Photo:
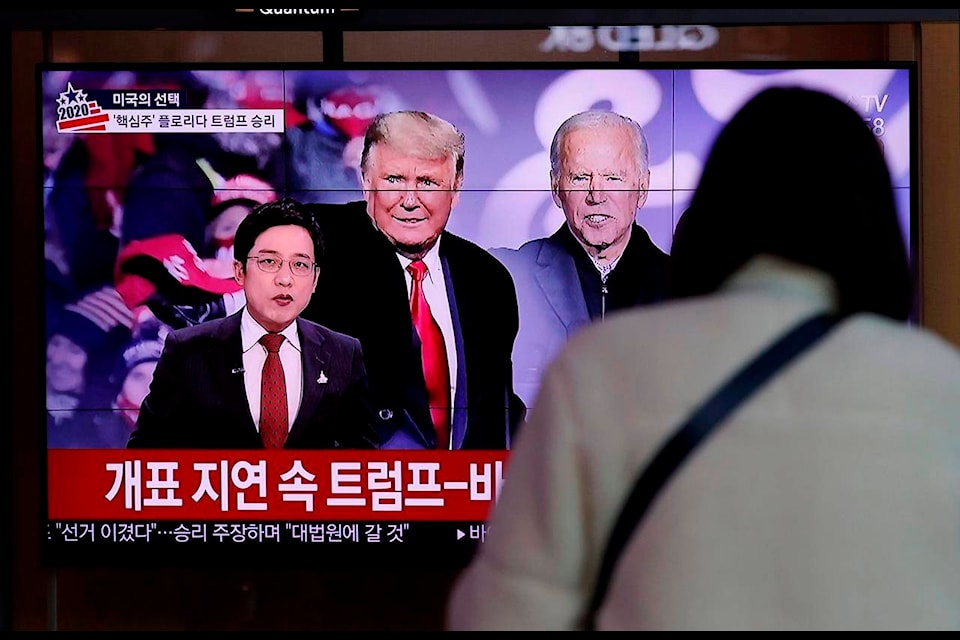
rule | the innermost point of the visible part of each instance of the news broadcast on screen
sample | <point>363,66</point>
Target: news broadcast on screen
<point>147,171</point>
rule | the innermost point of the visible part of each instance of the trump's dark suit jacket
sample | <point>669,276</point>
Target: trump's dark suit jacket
<point>362,292</point>
<point>197,398</point>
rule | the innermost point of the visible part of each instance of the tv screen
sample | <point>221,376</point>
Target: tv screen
<point>147,169</point>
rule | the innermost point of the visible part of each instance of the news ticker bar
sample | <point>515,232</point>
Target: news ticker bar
<point>273,545</point>
<point>272,485</point>
<point>240,534</point>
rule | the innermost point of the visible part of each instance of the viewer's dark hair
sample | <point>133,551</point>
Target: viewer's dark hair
<point>274,214</point>
<point>797,174</point>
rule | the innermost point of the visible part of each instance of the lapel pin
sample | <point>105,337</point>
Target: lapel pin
<point>322,379</point>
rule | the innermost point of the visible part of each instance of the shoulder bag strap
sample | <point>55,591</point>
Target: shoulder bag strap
<point>686,438</point>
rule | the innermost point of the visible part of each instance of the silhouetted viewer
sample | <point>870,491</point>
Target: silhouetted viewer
<point>829,499</point>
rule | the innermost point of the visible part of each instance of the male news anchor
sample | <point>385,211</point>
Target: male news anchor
<point>261,377</point>
<point>435,313</point>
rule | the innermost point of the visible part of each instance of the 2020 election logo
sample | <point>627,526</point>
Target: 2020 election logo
<point>75,113</point>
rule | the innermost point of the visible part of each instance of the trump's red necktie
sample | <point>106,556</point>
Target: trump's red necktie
<point>433,354</point>
<point>273,394</point>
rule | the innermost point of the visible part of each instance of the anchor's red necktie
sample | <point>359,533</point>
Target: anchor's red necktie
<point>433,354</point>
<point>273,395</point>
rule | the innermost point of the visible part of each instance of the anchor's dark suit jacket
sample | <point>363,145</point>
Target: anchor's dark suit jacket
<point>197,398</point>
<point>362,292</point>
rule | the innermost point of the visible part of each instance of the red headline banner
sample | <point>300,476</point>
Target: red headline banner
<point>272,485</point>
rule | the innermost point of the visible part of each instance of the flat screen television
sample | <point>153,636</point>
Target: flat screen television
<point>122,168</point>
